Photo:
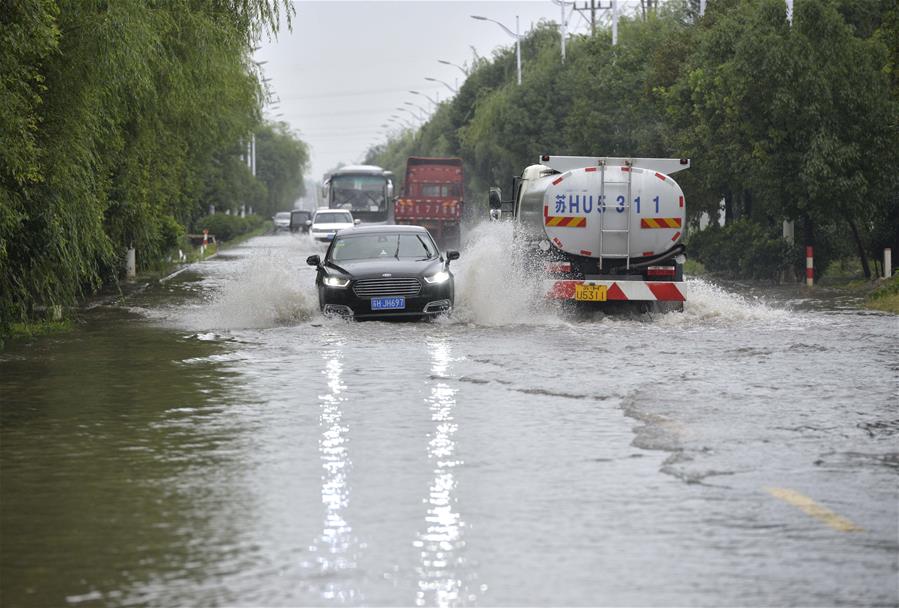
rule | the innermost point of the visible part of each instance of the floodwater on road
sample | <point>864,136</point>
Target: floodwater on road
<point>215,441</point>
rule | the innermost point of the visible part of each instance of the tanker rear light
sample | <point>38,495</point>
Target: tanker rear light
<point>660,271</point>
<point>685,161</point>
<point>557,267</point>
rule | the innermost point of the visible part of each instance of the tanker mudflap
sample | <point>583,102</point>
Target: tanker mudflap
<point>615,291</point>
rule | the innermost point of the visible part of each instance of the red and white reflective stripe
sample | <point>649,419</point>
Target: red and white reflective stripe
<point>809,266</point>
<point>620,291</point>
<point>555,267</point>
<point>660,271</point>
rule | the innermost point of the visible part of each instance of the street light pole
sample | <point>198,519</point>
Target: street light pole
<point>514,35</point>
<point>424,112</point>
<point>401,121</point>
<point>563,23</point>
<point>518,49</point>
<point>447,85</point>
<point>445,62</point>
<point>436,103</point>
<point>411,113</point>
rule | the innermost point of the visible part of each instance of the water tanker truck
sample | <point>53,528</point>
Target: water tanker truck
<point>604,229</point>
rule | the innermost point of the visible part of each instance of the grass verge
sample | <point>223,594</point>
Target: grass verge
<point>37,327</point>
<point>34,329</point>
<point>886,297</point>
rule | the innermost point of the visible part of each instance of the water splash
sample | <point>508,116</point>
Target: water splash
<point>267,290</point>
<point>711,303</point>
<point>494,286</point>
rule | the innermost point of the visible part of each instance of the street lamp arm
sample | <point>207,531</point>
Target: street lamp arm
<point>426,97</point>
<point>507,30</point>
<point>452,90</point>
<point>514,35</point>
<point>445,62</point>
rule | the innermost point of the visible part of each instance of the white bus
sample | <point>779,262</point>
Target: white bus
<point>364,190</point>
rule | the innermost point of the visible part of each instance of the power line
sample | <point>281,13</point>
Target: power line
<point>356,93</point>
<point>301,115</point>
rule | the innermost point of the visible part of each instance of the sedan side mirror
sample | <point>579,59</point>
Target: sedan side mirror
<point>314,260</point>
<point>357,221</point>
<point>452,255</point>
<point>308,222</point>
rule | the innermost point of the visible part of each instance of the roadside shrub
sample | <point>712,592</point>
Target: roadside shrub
<point>170,233</point>
<point>226,227</point>
<point>745,250</point>
<point>886,297</point>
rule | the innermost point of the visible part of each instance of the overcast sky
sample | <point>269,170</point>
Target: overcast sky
<point>347,66</point>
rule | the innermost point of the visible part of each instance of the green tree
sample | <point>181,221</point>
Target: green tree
<point>281,161</point>
<point>108,136</point>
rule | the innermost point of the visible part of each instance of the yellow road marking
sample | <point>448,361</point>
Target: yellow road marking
<point>810,507</point>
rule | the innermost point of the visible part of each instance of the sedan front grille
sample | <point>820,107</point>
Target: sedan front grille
<point>376,288</point>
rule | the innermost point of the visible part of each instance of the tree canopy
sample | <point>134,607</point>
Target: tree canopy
<point>782,121</point>
<point>120,121</point>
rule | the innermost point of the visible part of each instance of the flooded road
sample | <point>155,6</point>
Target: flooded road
<point>215,441</point>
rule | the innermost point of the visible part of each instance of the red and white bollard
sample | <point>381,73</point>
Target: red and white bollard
<point>809,266</point>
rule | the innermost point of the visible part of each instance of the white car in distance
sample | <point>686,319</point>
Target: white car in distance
<point>326,222</point>
<point>281,220</point>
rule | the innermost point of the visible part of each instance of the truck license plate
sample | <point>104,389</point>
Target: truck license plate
<point>395,303</point>
<point>590,293</point>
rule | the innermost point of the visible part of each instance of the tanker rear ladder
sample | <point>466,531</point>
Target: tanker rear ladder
<point>602,216</point>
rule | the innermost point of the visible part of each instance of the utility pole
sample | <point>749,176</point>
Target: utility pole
<point>592,8</point>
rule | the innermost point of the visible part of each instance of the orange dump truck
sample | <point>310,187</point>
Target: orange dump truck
<point>432,197</point>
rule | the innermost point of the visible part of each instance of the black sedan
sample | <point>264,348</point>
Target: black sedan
<point>384,272</point>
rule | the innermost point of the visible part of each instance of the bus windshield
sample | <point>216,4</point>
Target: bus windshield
<point>358,193</point>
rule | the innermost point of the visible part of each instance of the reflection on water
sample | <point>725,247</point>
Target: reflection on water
<point>336,546</point>
<point>141,466</point>
<point>441,545</point>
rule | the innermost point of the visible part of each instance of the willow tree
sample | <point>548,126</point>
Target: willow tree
<point>110,118</point>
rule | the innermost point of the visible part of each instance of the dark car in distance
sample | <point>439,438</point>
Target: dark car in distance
<point>300,221</point>
<point>384,272</point>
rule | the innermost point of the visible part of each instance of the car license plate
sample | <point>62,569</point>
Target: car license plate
<point>590,293</point>
<point>395,303</point>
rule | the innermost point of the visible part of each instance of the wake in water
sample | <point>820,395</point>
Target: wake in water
<point>267,289</point>
<point>710,303</point>
<point>494,286</point>
<point>269,285</point>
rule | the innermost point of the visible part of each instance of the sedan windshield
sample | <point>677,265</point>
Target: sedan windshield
<point>333,218</point>
<point>381,246</point>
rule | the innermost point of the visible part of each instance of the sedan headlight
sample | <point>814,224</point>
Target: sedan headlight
<point>336,282</point>
<point>435,279</point>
